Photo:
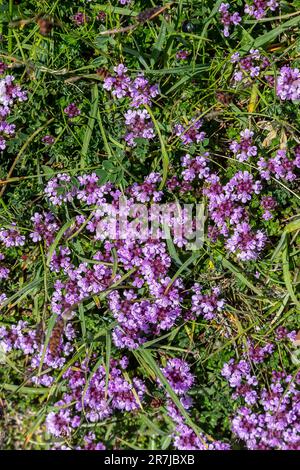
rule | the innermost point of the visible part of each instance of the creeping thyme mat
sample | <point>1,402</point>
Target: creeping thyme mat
<point>149,225</point>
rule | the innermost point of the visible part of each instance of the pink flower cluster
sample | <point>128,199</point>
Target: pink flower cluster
<point>10,93</point>
<point>140,93</point>
<point>281,166</point>
<point>250,66</point>
<point>191,133</point>
<point>227,18</point>
<point>270,415</point>
<point>288,84</point>
<point>258,9</point>
<point>178,374</point>
<point>244,149</point>
<point>94,396</point>
<point>227,207</point>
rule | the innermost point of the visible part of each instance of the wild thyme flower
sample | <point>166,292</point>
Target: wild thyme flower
<point>269,415</point>
<point>11,236</point>
<point>268,203</point>
<point>182,55</point>
<point>288,84</point>
<point>177,372</point>
<point>250,66</point>
<point>9,95</point>
<point>280,166</point>
<point>227,18</point>
<point>80,18</point>
<point>259,8</point>
<point>139,125</point>
<point>209,305</point>
<point>246,243</point>
<point>191,133</point>
<point>4,271</point>
<point>72,110</point>
<point>244,149</point>
<point>48,139</point>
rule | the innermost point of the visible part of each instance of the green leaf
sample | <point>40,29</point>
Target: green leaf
<point>90,125</point>
<point>58,237</point>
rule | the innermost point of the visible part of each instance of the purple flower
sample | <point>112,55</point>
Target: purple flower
<point>249,66</point>
<point>60,189</point>
<point>4,271</point>
<point>48,139</point>
<point>268,203</point>
<point>72,110</point>
<point>191,133</point>
<point>228,19</point>
<point>245,243</point>
<point>182,55</point>
<point>45,228</point>
<point>141,92</point>
<point>3,67</point>
<point>241,187</point>
<point>259,8</point>
<point>269,416</point>
<point>80,18</point>
<point>139,125</point>
<point>280,166</point>
<point>208,305</point>
<point>118,84</point>
<point>245,148</point>
<point>288,83</point>
<point>177,372</point>
<point>11,236</point>
<point>195,168</point>
<point>186,439</point>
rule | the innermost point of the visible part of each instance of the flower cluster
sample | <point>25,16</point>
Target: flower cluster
<point>72,111</point>
<point>227,208</point>
<point>146,259</point>
<point>227,18</point>
<point>268,203</point>
<point>22,337</point>
<point>207,305</point>
<point>288,83</point>
<point>182,55</point>
<point>11,236</point>
<point>4,271</point>
<point>139,125</point>
<point>3,67</point>
<point>140,93</point>
<point>48,139</point>
<point>10,93</point>
<point>60,189</point>
<point>45,227</point>
<point>97,399</point>
<point>196,168</point>
<point>269,416</point>
<point>249,66</point>
<point>191,133</point>
<point>244,149</point>
<point>141,319</point>
<point>178,374</point>
<point>80,18</point>
<point>259,8</point>
<point>138,90</point>
<point>281,166</point>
